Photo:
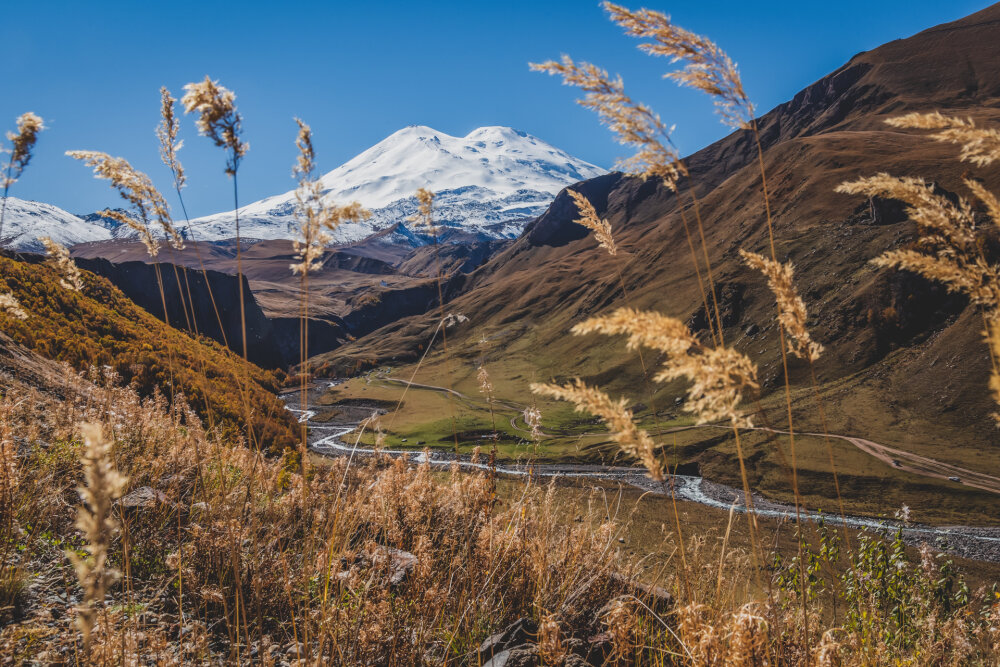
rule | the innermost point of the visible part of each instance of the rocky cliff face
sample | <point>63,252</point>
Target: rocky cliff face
<point>192,306</point>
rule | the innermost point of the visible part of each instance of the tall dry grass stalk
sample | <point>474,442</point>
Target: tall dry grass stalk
<point>219,120</point>
<point>22,142</point>
<point>635,124</point>
<point>707,68</point>
<point>632,440</point>
<point>589,219</point>
<point>533,419</point>
<point>70,277</point>
<point>317,217</point>
<point>791,308</point>
<point>486,389</point>
<point>168,132</point>
<point>719,376</point>
<point>423,220</point>
<point>138,190</point>
<point>102,485</point>
<point>168,135</point>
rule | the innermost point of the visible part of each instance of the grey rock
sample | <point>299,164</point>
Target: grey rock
<point>657,598</point>
<point>520,632</point>
<point>525,655</point>
<point>145,498</point>
<point>399,563</point>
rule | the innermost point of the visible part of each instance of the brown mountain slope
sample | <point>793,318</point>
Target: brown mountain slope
<point>904,363</point>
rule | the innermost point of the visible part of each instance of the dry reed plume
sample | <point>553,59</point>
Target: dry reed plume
<point>22,141</point>
<point>102,485</point>
<point>12,307</point>
<point>485,384</point>
<point>633,123</point>
<point>138,190</point>
<point>315,215</point>
<point>533,418</point>
<point>593,222</point>
<point>423,219</point>
<point>707,67</point>
<point>218,118</point>
<point>167,132</point>
<point>719,376</point>
<point>70,276</point>
<point>980,146</point>
<point>28,126</point>
<point>632,440</point>
<point>791,307</point>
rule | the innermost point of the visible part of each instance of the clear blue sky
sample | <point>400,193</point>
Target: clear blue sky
<point>359,71</point>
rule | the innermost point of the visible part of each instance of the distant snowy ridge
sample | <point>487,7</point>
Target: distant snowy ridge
<point>24,222</point>
<point>489,183</point>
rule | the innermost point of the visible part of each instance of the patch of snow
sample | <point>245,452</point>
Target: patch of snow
<point>24,222</point>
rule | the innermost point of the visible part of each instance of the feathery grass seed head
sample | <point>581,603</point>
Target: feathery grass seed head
<point>424,217</point>
<point>316,216</point>
<point>948,252</point>
<point>719,376</point>
<point>590,220</point>
<point>634,123</point>
<point>485,384</point>
<point>138,190</point>
<point>63,263</point>
<point>28,126</point>
<point>533,418</point>
<point>791,307</point>
<point>707,67</point>
<point>102,485</point>
<point>632,440</point>
<point>980,146</point>
<point>167,132</point>
<point>217,118</point>
<point>11,306</point>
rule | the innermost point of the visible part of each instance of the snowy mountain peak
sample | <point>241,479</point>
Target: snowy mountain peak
<point>489,183</point>
<point>497,133</point>
<point>25,222</point>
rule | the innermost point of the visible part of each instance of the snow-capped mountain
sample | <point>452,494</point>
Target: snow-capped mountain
<point>488,183</point>
<point>24,222</point>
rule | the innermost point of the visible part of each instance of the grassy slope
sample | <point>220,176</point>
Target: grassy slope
<point>102,327</point>
<point>904,365</point>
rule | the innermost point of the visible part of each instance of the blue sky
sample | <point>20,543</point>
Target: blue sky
<point>359,71</point>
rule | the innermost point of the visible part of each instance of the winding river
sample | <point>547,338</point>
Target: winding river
<point>328,439</point>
